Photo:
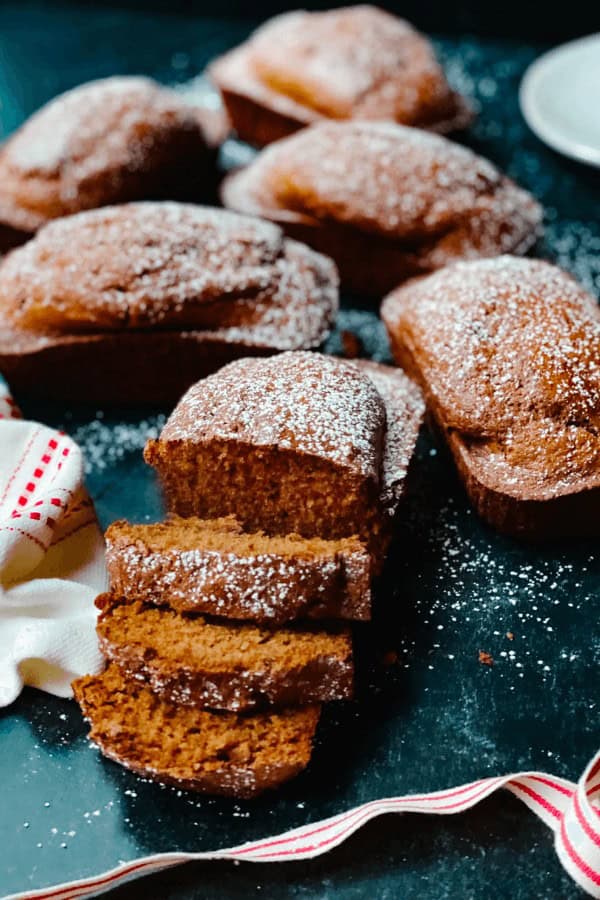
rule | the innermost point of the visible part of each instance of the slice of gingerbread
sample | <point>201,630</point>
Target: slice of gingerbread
<point>215,663</point>
<point>211,752</point>
<point>215,568</point>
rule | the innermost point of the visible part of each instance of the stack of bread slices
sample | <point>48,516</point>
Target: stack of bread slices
<point>227,626</point>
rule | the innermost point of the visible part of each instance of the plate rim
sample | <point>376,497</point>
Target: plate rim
<point>582,153</point>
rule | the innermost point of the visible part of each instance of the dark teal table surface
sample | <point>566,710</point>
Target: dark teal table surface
<point>428,714</point>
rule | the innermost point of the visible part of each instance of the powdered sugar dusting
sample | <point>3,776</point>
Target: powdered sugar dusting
<point>345,63</point>
<point>303,402</point>
<point>105,444</point>
<point>264,585</point>
<point>104,142</point>
<point>438,199</point>
<point>405,409</point>
<point>511,351</point>
<point>152,264</point>
<point>64,130</point>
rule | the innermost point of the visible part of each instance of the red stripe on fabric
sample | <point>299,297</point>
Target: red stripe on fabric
<point>593,835</point>
<point>553,784</point>
<point>394,803</point>
<point>18,466</point>
<point>285,840</point>
<point>545,804</point>
<point>56,894</point>
<point>575,858</point>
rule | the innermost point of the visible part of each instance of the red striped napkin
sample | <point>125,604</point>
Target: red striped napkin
<point>51,559</point>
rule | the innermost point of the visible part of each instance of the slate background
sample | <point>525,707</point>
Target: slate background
<point>433,718</point>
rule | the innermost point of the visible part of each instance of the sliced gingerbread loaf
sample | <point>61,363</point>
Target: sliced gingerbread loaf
<point>218,664</point>
<point>296,444</point>
<point>508,353</point>
<point>213,567</point>
<point>212,752</point>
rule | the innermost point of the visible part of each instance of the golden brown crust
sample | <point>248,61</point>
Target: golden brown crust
<point>384,201</point>
<point>148,265</point>
<point>508,354</point>
<point>108,141</point>
<point>358,62</point>
<point>132,283</point>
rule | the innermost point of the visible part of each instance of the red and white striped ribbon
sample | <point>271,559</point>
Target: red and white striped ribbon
<point>570,810</point>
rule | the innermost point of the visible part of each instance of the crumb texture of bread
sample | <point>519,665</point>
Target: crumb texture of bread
<point>306,431</point>
<point>508,354</point>
<point>108,141</point>
<point>214,567</point>
<point>221,664</point>
<point>357,62</point>
<point>413,201</point>
<point>211,752</point>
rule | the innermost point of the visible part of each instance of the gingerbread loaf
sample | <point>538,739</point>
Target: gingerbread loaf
<point>215,568</point>
<point>305,433</point>
<point>507,352</point>
<point>358,62</point>
<point>385,202</point>
<point>167,291</point>
<point>216,664</point>
<point>106,142</point>
<point>212,752</point>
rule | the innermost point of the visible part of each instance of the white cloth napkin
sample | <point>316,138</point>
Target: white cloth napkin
<point>51,560</point>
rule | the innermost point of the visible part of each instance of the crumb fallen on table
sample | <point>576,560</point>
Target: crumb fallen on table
<point>352,345</point>
<point>510,635</point>
<point>485,658</point>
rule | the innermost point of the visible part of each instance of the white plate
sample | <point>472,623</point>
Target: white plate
<point>560,99</point>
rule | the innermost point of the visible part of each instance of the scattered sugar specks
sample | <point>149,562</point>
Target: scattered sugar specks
<point>106,443</point>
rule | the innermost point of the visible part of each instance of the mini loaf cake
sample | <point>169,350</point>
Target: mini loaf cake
<point>295,444</point>
<point>384,201</point>
<point>353,63</point>
<point>214,752</point>
<point>131,304</point>
<point>213,567</point>
<point>508,354</point>
<point>213,663</point>
<point>106,142</point>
